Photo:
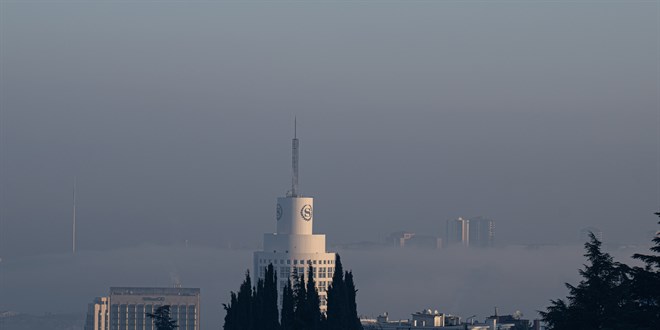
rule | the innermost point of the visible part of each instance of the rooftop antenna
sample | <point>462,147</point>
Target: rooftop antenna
<point>73,236</point>
<point>294,160</point>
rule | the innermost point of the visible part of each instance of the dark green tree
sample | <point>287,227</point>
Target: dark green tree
<point>342,307</point>
<point>300,301</point>
<point>312,302</point>
<point>645,289</point>
<point>162,319</point>
<point>231,313</point>
<point>595,303</point>
<point>288,316</point>
<point>353,320</point>
<point>240,309</point>
<point>264,301</point>
<point>337,312</point>
<point>269,300</point>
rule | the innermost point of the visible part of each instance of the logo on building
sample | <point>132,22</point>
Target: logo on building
<point>306,212</point>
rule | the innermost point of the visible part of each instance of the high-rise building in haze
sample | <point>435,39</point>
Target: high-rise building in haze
<point>294,246</point>
<point>482,232</point>
<point>458,232</point>
<point>126,308</point>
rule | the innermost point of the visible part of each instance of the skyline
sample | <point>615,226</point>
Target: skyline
<point>172,120</point>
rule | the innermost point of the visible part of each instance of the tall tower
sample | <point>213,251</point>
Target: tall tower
<point>294,247</point>
<point>73,231</point>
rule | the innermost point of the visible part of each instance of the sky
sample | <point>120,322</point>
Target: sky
<point>175,119</point>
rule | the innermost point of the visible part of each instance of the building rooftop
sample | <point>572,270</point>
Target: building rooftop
<point>154,291</point>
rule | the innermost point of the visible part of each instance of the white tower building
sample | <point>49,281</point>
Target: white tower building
<point>294,246</point>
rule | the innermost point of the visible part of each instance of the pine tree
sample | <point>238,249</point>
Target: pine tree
<point>162,319</point>
<point>287,307</point>
<point>595,302</point>
<point>645,289</point>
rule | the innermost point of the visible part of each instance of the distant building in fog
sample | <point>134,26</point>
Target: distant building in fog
<point>458,232</point>
<point>475,232</point>
<point>584,234</point>
<point>482,232</point>
<point>402,239</point>
<point>127,308</point>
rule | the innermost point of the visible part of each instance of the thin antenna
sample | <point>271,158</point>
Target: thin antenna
<point>73,236</point>
<point>294,160</point>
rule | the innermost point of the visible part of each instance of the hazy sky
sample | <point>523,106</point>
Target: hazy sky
<point>176,118</point>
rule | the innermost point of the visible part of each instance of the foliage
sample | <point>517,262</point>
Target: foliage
<point>342,308</point>
<point>611,295</point>
<point>162,319</point>
<point>288,308</point>
<point>256,308</point>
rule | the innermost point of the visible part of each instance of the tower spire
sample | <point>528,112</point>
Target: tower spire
<point>294,159</point>
<point>73,236</point>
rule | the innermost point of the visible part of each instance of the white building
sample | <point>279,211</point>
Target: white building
<point>294,246</point>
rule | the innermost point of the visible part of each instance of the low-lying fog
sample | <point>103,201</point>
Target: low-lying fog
<point>398,281</point>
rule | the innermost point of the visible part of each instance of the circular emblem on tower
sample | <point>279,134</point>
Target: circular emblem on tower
<point>306,212</point>
<point>279,211</point>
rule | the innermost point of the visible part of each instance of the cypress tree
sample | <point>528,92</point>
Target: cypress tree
<point>312,302</point>
<point>353,319</point>
<point>244,305</point>
<point>288,307</point>
<point>269,300</point>
<point>240,309</point>
<point>337,313</point>
<point>300,298</point>
<point>231,318</point>
<point>258,303</point>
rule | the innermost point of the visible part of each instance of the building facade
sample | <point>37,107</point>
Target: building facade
<point>482,232</point>
<point>97,314</point>
<point>294,246</point>
<point>126,308</point>
<point>458,232</point>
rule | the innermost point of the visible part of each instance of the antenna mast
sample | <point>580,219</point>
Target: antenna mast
<point>73,236</point>
<point>294,160</point>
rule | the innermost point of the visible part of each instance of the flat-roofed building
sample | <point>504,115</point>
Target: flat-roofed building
<point>126,308</point>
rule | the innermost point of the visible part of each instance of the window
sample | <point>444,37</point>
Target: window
<point>288,262</point>
<point>314,262</point>
<point>295,262</point>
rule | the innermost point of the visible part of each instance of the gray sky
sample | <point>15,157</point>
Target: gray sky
<point>176,119</point>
